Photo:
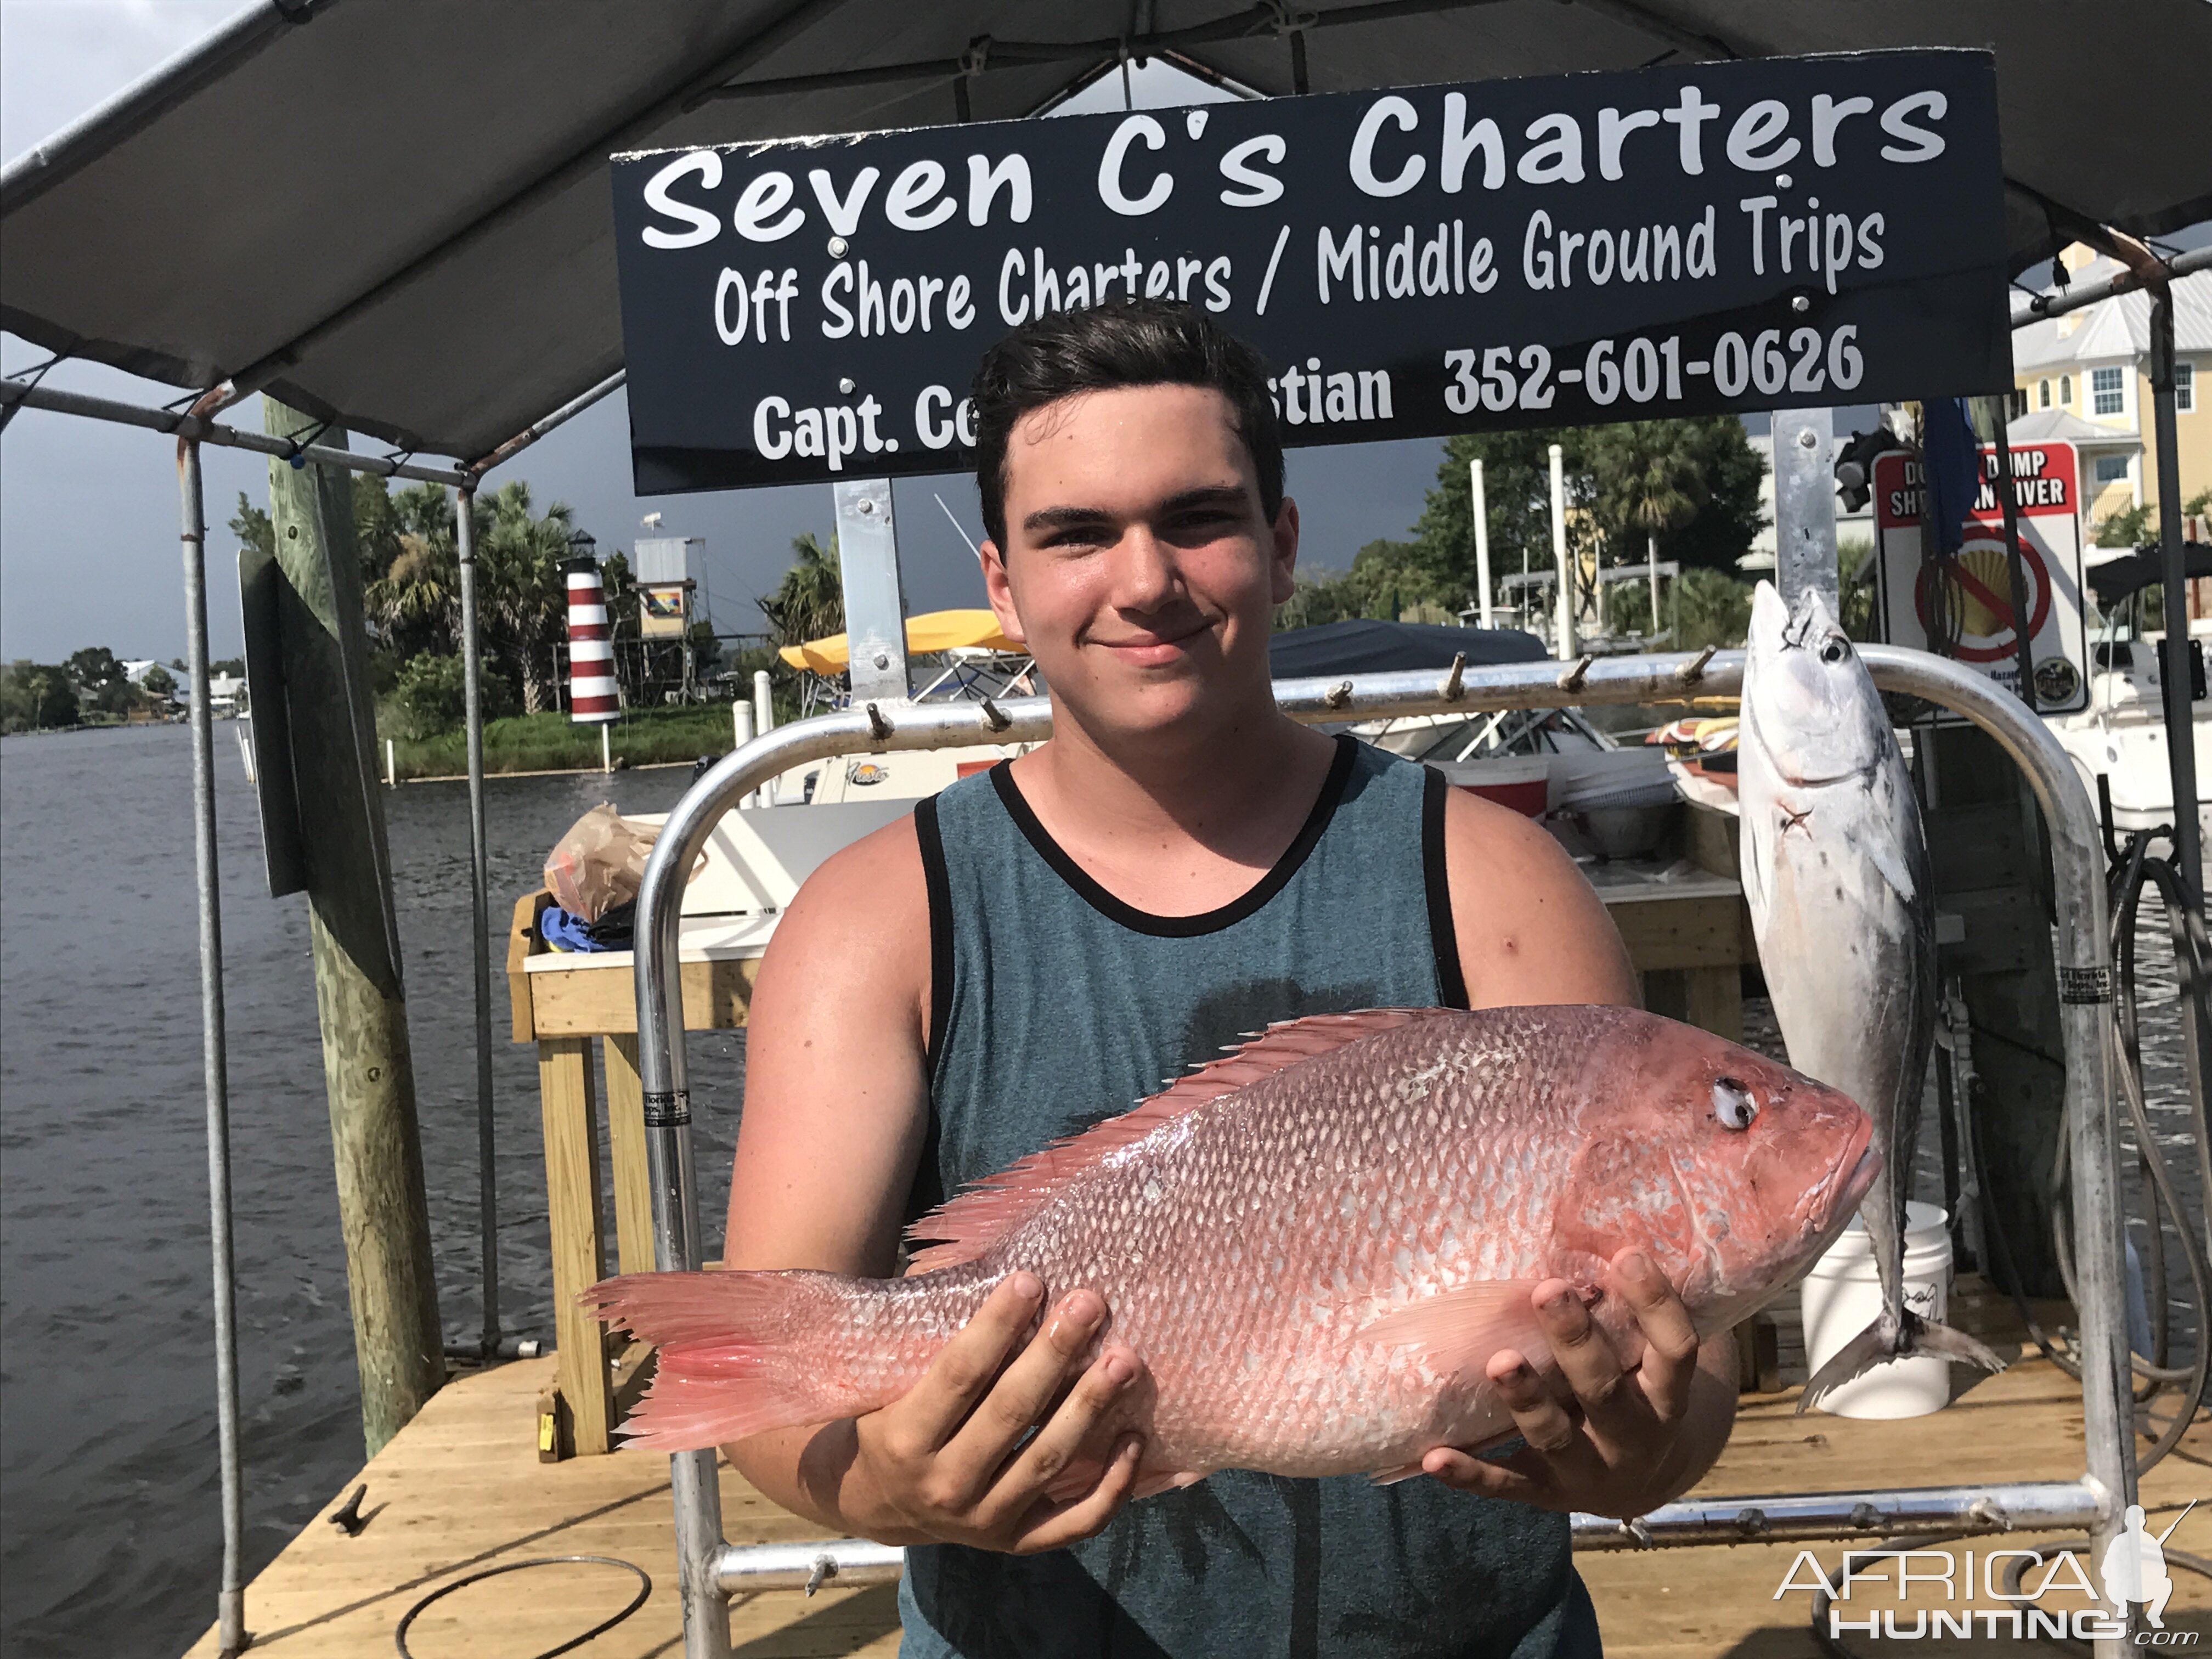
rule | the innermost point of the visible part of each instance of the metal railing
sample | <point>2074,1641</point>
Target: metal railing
<point>710,1569</point>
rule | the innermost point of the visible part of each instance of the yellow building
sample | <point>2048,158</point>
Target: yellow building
<point>2083,379</point>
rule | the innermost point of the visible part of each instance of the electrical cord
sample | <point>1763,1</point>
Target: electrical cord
<point>644,1591</point>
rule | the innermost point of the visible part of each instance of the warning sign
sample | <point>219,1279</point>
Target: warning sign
<point>1970,596</point>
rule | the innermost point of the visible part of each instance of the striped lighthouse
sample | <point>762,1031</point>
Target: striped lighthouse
<point>593,700</point>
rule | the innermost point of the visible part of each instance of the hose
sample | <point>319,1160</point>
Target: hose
<point>644,1590</point>
<point>2133,867</point>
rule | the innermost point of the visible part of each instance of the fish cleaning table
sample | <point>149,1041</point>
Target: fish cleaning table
<point>1682,920</point>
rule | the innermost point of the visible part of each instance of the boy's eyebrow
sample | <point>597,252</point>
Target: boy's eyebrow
<point>1060,518</point>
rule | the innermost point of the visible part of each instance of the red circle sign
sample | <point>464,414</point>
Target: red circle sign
<point>1982,583</point>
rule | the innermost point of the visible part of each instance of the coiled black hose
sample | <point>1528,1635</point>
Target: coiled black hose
<point>2133,868</point>
<point>644,1590</point>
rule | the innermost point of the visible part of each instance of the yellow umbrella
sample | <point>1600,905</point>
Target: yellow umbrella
<point>934,631</point>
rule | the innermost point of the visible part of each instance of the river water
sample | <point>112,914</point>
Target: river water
<point>109,1538</point>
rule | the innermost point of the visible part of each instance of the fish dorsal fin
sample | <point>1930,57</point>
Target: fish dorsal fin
<point>974,1221</point>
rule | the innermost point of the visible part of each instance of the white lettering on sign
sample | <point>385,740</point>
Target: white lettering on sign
<point>985,181</point>
<point>1110,191</point>
<point>1253,187</point>
<point>703,226</point>
<point>755,217</point>
<point>1399,112</point>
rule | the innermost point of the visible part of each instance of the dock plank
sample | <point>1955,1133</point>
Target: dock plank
<point>461,1488</point>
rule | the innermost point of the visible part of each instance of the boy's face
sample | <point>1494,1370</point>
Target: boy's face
<point>1139,569</point>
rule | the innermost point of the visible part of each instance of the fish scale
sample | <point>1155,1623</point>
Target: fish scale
<point>1317,1242</point>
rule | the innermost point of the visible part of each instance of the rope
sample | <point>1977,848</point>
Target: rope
<point>644,1590</point>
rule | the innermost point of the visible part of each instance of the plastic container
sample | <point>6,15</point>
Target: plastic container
<point>1842,1296</point>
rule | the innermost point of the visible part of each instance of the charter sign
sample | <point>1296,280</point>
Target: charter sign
<point>1549,252</point>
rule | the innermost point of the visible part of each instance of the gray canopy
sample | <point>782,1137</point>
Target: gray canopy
<point>397,214</point>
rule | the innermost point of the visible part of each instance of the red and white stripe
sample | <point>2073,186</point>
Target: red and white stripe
<point>592,697</point>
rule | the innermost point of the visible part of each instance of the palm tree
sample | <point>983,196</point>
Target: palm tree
<point>415,600</point>
<point>524,595</point>
<point>809,603</point>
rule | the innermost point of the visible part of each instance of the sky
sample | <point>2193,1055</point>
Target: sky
<point>88,517</point>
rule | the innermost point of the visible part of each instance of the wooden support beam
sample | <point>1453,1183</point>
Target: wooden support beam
<point>572,1202</point>
<point>626,1144</point>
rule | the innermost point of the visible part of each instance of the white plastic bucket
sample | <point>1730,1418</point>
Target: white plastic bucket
<point>1842,1296</point>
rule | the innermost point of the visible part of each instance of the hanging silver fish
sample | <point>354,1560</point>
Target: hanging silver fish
<point>1835,870</point>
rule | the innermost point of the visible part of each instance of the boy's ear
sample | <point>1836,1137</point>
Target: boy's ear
<point>1000,593</point>
<point>1285,560</point>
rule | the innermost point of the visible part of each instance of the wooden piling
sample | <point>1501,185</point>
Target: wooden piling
<point>368,1067</point>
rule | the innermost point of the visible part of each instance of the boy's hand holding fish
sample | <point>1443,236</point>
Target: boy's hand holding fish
<point>975,1454</point>
<point>1619,1444</point>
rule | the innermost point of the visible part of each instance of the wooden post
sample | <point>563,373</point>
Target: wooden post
<point>626,1148</point>
<point>368,1067</point>
<point>572,1203</point>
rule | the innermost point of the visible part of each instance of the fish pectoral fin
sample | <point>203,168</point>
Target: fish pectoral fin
<point>1392,1477</point>
<point>1459,1330</point>
<point>1150,1486</point>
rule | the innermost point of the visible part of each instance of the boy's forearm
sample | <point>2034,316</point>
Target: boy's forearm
<point>815,1472</point>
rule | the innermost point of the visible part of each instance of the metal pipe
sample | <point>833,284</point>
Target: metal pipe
<point>538,429</point>
<point>1791,1517</point>
<point>230,1598</point>
<point>196,425</point>
<point>2085,974</point>
<point>1803,442</point>
<point>1920,1511</point>
<point>2087,293</point>
<point>2016,561</point>
<point>2180,747</point>
<point>464,543</point>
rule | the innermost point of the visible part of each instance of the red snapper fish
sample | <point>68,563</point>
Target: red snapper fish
<point>1317,1242</point>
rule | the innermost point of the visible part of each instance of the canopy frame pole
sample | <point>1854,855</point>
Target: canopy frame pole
<point>2084,974</point>
<point>230,1598</point>
<point>2180,751</point>
<point>464,543</point>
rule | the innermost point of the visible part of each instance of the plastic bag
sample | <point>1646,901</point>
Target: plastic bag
<point>600,863</point>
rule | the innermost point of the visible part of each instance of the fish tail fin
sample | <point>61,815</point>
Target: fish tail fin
<point>1884,1341</point>
<point>740,1353</point>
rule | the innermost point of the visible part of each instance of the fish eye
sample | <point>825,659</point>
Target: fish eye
<point>1733,1103</point>
<point>1836,649</point>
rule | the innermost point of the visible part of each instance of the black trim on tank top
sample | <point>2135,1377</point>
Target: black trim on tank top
<point>1444,936</point>
<point>937,882</point>
<point>1206,922</point>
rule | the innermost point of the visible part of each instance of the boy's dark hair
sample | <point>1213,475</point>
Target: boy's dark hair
<point>1129,343</point>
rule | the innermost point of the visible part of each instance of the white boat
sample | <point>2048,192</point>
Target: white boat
<point>2121,735</point>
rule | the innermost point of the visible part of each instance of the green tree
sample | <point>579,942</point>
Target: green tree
<point>809,603</point>
<point>523,591</point>
<point>1389,581</point>
<point>2130,526</point>
<point>158,681</point>
<point>430,693</point>
<point>36,696</point>
<point>250,524</point>
<point>1694,483</point>
<point>413,596</point>
<point>1709,607</point>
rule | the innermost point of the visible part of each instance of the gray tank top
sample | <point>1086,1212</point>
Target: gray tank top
<point>1053,1006</point>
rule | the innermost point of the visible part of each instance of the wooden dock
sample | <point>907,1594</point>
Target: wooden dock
<point>461,1488</point>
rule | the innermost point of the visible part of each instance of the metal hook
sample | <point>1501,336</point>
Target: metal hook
<point>1691,672</point>
<point>1456,682</point>
<point>1572,679</point>
<point>1338,695</point>
<point>878,728</point>
<point>825,1566</point>
<point>996,717</point>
